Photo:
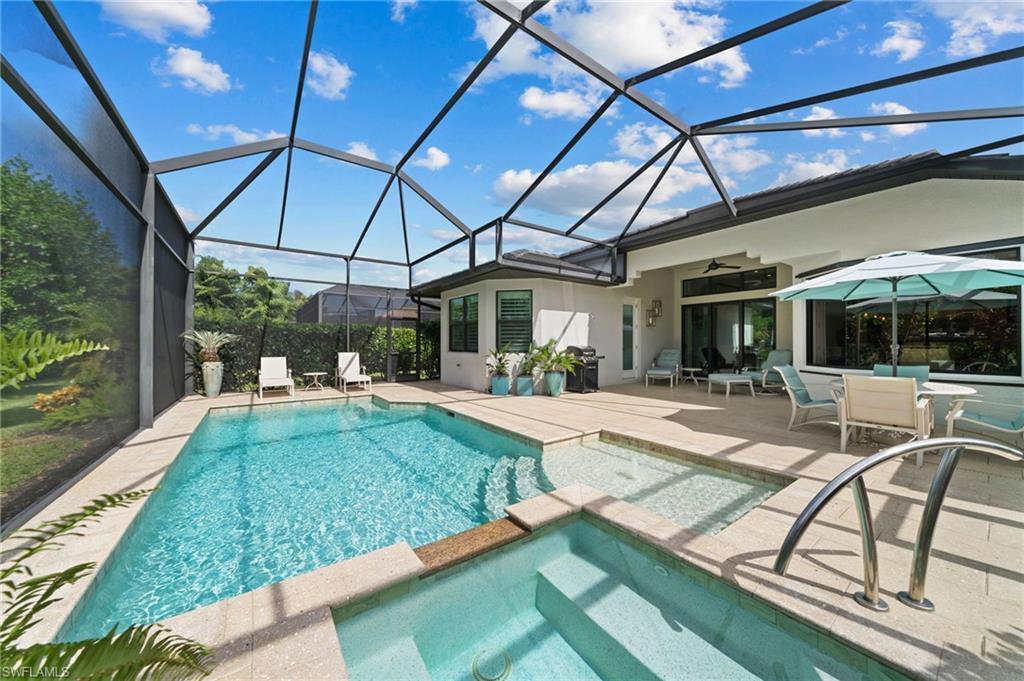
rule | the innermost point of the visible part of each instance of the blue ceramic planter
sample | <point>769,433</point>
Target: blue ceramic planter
<point>524,385</point>
<point>499,385</point>
<point>554,381</point>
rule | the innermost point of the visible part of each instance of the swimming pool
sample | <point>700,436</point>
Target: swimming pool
<point>258,495</point>
<point>261,494</point>
<point>576,603</point>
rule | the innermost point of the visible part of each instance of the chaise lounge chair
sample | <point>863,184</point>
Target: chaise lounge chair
<point>998,416</point>
<point>274,373</point>
<point>767,375</point>
<point>664,367</point>
<point>350,370</point>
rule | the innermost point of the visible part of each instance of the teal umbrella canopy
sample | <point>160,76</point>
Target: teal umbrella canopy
<point>914,274</point>
<point>907,274</point>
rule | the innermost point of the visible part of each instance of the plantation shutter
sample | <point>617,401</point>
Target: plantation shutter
<point>463,315</point>
<point>515,320</point>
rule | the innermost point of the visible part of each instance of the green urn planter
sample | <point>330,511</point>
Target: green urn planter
<point>554,381</point>
<point>213,373</point>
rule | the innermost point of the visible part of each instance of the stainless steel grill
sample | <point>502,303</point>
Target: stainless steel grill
<point>585,378</point>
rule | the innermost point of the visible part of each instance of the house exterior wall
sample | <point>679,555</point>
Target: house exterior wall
<point>932,214</point>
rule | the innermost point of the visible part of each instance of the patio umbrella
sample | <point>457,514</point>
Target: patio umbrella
<point>906,274</point>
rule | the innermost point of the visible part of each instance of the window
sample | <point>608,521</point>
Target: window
<point>732,282</point>
<point>734,334</point>
<point>515,320</point>
<point>463,334</point>
<point>976,333</point>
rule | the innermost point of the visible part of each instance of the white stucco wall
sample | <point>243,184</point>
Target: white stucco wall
<point>925,215</point>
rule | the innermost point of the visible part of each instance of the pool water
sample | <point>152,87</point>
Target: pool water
<point>258,495</point>
<point>577,604</point>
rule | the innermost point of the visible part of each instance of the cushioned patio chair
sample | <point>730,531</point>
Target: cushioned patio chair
<point>918,372</point>
<point>274,373</point>
<point>351,371</point>
<point>883,403</point>
<point>767,375</point>
<point>802,402</point>
<point>664,367</point>
<point>998,416</point>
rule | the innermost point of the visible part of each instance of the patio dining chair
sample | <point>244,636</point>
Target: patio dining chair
<point>767,375</point>
<point>664,367</point>
<point>274,373</point>
<point>802,402</point>
<point>350,370</point>
<point>918,372</point>
<point>882,403</point>
<point>985,415</point>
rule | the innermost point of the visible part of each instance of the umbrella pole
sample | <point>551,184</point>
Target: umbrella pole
<point>895,327</point>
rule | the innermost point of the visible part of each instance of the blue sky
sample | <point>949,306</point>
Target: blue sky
<point>193,76</point>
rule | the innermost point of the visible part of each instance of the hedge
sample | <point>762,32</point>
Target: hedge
<point>314,347</point>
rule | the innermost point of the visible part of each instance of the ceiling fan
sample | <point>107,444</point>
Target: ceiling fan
<point>715,265</point>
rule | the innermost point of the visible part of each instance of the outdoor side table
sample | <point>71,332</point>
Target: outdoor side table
<point>691,375</point>
<point>728,379</point>
<point>314,379</point>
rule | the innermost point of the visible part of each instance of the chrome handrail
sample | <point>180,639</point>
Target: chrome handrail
<point>914,596</point>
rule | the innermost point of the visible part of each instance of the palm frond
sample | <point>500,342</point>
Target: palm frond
<point>23,356</point>
<point>144,652</point>
<point>24,601</point>
<point>44,536</point>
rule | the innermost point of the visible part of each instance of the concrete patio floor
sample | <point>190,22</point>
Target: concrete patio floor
<point>975,579</point>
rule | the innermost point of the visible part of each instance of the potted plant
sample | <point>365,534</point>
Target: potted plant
<point>555,364</point>
<point>524,380</point>
<point>209,343</point>
<point>497,368</point>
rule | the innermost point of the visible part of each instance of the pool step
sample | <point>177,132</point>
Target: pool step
<point>620,633</point>
<point>527,485</point>
<point>496,489</point>
<point>399,661</point>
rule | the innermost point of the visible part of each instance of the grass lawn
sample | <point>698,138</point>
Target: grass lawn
<point>25,448</point>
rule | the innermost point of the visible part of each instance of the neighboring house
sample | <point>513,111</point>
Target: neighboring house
<point>368,304</point>
<point>726,317</point>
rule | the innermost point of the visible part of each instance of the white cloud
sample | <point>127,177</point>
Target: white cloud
<point>399,8</point>
<point>237,134</point>
<point>193,71</point>
<point>575,190</point>
<point>434,160</point>
<point>640,140</point>
<point>157,20</point>
<point>904,40</point>
<point>362,149</point>
<point>187,215</point>
<point>867,136</point>
<point>731,153</point>
<point>800,168</point>
<point>839,36</point>
<point>822,113</point>
<point>328,77</point>
<point>571,104</point>
<point>625,37</point>
<point>976,26</point>
<point>894,109</point>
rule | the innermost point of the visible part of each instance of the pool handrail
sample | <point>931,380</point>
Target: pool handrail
<point>953,447</point>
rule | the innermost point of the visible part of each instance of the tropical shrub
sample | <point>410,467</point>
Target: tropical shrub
<point>135,652</point>
<point>23,356</point>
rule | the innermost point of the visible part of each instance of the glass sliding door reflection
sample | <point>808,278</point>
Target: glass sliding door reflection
<point>696,335</point>
<point>728,336</point>
<point>758,331</point>
<point>724,336</point>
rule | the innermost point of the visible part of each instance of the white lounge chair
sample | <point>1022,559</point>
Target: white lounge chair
<point>350,370</point>
<point>274,373</point>
<point>883,404</point>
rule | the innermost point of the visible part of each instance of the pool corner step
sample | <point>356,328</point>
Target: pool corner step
<point>400,660</point>
<point>618,631</point>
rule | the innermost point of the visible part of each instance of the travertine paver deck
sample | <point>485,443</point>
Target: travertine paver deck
<point>976,577</point>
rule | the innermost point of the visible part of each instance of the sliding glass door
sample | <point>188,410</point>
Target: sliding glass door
<point>724,336</point>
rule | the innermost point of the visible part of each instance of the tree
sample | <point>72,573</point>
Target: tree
<point>223,294</point>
